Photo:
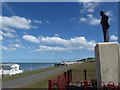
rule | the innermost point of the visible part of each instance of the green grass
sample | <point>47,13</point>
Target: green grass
<point>77,72</point>
<point>43,83</point>
<point>39,84</point>
<point>26,73</point>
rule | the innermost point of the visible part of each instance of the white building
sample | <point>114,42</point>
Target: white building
<point>10,69</point>
<point>69,62</point>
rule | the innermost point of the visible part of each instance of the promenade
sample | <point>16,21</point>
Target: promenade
<point>20,82</point>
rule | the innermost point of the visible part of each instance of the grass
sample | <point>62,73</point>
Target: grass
<point>77,72</point>
<point>39,84</point>
<point>43,83</point>
<point>26,73</point>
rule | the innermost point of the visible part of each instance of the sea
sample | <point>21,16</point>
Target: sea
<point>34,66</point>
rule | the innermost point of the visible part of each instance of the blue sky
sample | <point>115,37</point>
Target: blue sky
<point>53,32</point>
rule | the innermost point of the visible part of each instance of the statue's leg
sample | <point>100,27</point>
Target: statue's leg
<point>104,34</point>
<point>107,35</point>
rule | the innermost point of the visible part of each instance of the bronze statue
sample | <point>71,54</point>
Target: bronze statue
<point>105,26</point>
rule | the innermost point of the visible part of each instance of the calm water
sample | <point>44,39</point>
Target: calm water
<point>34,66</point>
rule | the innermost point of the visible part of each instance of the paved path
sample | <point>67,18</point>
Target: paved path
<point>19,82</point>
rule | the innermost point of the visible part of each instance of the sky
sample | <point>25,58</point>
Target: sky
<point>53,31</point>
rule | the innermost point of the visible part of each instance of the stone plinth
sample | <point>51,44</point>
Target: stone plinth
<point>107,57</point>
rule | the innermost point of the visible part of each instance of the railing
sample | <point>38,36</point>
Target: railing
<point>65,82</point>
<point>81,75</point>
<point>61,81</point>
<point>92,85</point>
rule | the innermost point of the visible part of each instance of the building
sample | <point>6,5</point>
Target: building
<point>69,62</point>
<point>10,69</point>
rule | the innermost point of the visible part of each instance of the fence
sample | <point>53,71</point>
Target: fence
<point>66,81</point>
<point>92,85</point>
<point>81,75</point>
<point>61,81</point>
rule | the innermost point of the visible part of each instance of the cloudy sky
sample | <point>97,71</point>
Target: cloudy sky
<point>53,32</point>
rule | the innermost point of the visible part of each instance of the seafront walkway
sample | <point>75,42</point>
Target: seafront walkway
<point>19,82</point>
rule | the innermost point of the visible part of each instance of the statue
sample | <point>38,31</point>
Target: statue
<point>105,26</point>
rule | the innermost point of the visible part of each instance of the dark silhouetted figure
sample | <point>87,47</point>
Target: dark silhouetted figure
<point>105,26</point>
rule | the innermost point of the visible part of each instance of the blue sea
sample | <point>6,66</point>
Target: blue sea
<point>34,66</point>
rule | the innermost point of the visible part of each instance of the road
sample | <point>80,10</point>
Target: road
<point>19,82</point>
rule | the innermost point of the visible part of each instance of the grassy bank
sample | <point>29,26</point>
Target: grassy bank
<point>77,72</point>
<point>27,73</point>
<point>43,83</point>
<point>39,84</point>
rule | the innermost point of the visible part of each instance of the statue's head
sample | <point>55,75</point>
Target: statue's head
<point>101,13</point>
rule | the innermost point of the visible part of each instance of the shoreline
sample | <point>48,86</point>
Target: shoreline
<point>27,73</point>
<point>40,80</point>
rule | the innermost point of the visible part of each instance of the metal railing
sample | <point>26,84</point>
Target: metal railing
<point>67,81</point>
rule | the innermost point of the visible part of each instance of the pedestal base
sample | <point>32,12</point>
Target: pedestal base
<point>107,57</point>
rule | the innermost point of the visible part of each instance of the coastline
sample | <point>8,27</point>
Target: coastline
<point>29,65</point>
<point>40,79</point>
<point>26,73</point>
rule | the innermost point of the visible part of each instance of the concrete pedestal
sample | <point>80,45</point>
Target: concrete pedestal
<point>107,57</point>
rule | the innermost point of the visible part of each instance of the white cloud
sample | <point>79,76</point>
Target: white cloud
<point>17,40</point>
<point>15,22</point>
<point>35,27</point>
<point>10,35</point>
<point>17,46</point>
<point>88,7</point>
<point>90,19</point>
<point>81,42</point>
<point>94,21</point>
<point>57,35</point>
<point>3,47</point>
<point>113,37</point>
<point>7,29</point>
<point>90,15</point>
<point>1,33</point>
<point>41,22</point>
<point>9,24</point>
<point>1,37</point>
<point>48,48</point>
<point>72,43</point>
<point>109,13</point>
<point>31,38</point>
<point>52,40</point>
<point>37,21</point>
<point>83,19</point>
<point>7,48</point>
<point>11,47</point>
<point>7,34</point>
